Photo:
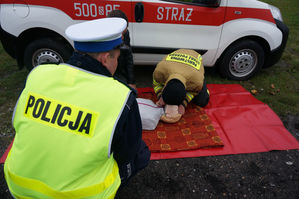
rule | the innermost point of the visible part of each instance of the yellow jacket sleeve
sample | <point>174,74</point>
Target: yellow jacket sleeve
<point>158,87</point>
<point>188,98</point>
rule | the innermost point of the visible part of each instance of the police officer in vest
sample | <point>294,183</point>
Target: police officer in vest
<point>78,130</point>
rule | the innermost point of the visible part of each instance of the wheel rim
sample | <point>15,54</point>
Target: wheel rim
<point>45,55</point>
<point>243,63</point>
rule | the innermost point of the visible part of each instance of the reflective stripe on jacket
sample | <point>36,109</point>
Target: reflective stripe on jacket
<point>64,121</point>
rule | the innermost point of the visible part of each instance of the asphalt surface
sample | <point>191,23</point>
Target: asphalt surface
<point>269,175</point>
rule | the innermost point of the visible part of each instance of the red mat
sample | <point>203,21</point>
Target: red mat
<point>245,125</point>
<point>193,131</point>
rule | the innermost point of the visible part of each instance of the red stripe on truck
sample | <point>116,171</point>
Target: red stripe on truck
<point>233,13</point>
<point>183,14</point>
<point>81,10</point>
<point>164,13</point>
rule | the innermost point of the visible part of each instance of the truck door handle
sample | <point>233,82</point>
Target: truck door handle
<point>139,12</point>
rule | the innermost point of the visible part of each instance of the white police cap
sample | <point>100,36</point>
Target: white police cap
<point>100,35</point>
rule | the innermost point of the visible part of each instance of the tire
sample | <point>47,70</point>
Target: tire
<point>44,51</point>
<point>242,60</point>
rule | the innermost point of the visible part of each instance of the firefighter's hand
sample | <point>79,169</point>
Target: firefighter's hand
<point>181,109</point>
<point>133,86</point>
<point>160,102</point>
<point>172,114</point>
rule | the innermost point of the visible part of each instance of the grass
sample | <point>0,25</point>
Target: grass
<point>277,86</point>
<point>11,83</point>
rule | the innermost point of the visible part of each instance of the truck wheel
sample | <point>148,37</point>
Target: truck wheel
<point>242,60</point>
<point>44,51</point>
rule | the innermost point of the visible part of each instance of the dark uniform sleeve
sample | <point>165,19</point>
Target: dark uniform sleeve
<point>130,67</point>
<point>127,143</point>
<point>129,60</point>
<point>125,69</point>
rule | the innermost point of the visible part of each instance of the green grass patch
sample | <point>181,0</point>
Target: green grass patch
<point>11,84</point>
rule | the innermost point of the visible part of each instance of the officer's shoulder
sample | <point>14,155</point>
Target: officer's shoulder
<point>42,67</point>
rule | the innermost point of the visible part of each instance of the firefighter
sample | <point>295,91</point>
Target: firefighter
<point>78,130</point>
<point>177,80</point>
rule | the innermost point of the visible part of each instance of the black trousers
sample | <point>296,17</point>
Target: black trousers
<point>203,97</point>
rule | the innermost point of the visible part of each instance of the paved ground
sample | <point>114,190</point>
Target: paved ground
<point>271,175</point>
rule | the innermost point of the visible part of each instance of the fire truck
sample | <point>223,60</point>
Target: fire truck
<point>239,37</point>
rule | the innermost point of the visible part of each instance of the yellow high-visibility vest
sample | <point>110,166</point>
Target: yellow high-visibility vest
<point>64,121</point>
